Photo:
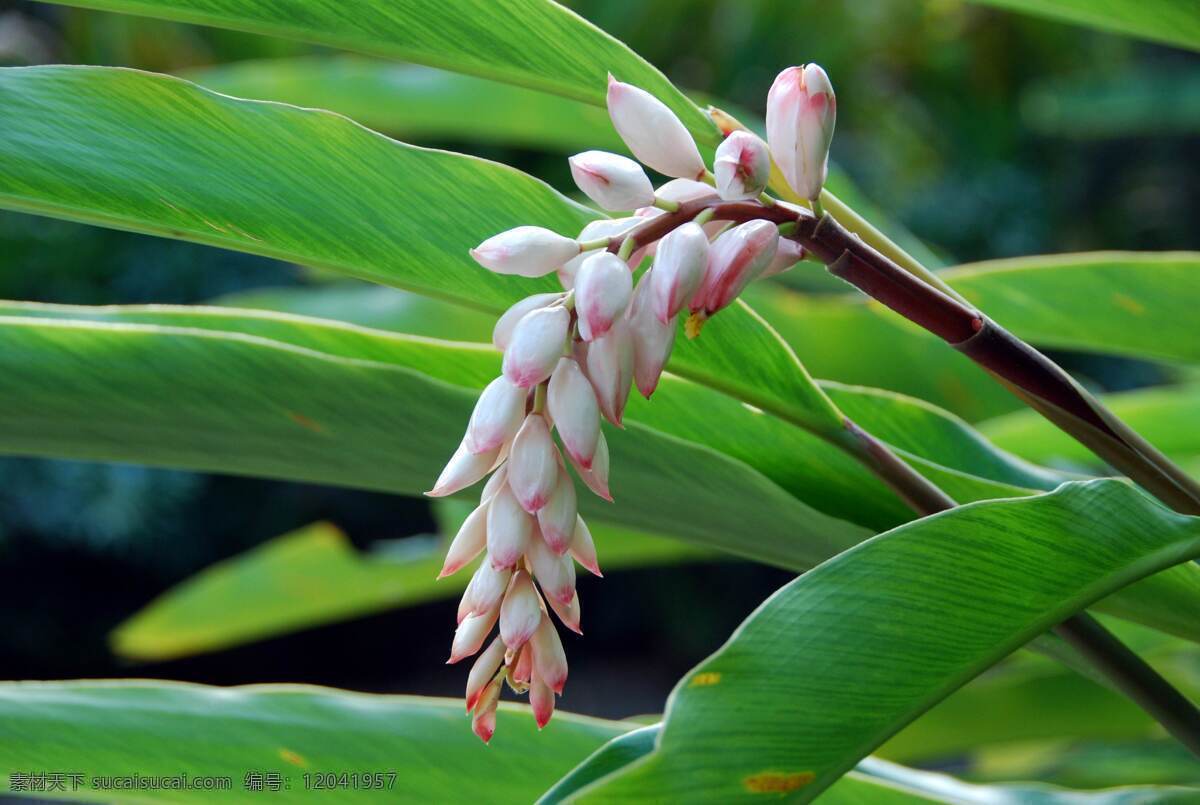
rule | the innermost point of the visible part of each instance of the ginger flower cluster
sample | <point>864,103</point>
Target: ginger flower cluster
<point>572,358</point>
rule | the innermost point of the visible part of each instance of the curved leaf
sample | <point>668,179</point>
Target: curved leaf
<point>314,576</point>
<point>807,686</point>
<point>424,746</point>
<point>534,43</point>
<point>1168,21</point>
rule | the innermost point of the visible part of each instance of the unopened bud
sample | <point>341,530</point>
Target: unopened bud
<point>471,633</point>
<point>789,253</point>
<point>683,190</point>
<point>509,528</point>
<point>610,361</point>
<point>556,519</point>
<point>602,289</point>
<point>556,574</point>
<point>654,134</point>
<point>737,258</point>
<point>572,405</point>
<point>612,181</point>
<point>653,340</point>
<point>567,613</point>
<point>463,469</point>
<point>496,417</point>
<point>536,344</point>
<point>742,166</point>
<point>595,230</point>
<point>679,267</point>
<point>541,700</point>
<point>801,113</point>
<point>528,251</point>
<point>468,542</point>
<point>533,464</point>
<point>583,548</point>
<point>483,670</point>
<point>484,591</point>
<point>596,478</point>
<point>483,723</point>
<point>502,332</point>
<point>549,659</point>
<point>520,612</point>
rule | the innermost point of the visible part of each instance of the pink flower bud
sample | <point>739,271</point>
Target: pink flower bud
<point>737,258</point>
<point>583,549</point>
<point>683,190</point>
<point>789,253</point>
<point>652,340</point>
<point>528,251</point>
<point>483,723</point>
<point>602,289</point>
<point>572,404</point>
<point>520,612</point>
<point>549,659</point>
<point>467,543</point>
<point>522,665</point>
<point>463,469</point>
<point>471,633</point>
<point>533,464</point>
<point>496,417</point>
<point>801,112</point>
<point>653,132</point>
<point>614,182</point>
<point>596,478</point>
<point>556,519</point>
<point>568,613</point>
<point>502,332</point>
<point>483,670</point>
<point>484,591</point>
<point>610,370</point>
<point>556,574</point>
<point>679,268</point>
<point>742,166</point>
<point>509,528</point>
<point>604,228</point>
<point>536,344</point>
<point>541,700</point>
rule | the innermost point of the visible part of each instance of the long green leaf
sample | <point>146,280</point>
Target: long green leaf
<point>424,747</point>
<point>1174,22</point>
<point>1124,303</point>
<point>419,103</point>
<point>534,43</point>
<point>314,576</point>
<point>160,155</point>
<point>807,686</point>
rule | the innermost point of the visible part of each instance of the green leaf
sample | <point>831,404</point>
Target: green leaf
<point>1173,22</point>
<point>393,213</point>
<point>1166,416</point>
<point>167,729</point>
<point>1123,303</point>
<point>807,685</point>
<point>418,103</point>
<point>314,576</point>
<point>243,402</point>
<point>532,43</point>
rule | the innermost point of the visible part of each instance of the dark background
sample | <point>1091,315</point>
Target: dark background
<point>988,134</point>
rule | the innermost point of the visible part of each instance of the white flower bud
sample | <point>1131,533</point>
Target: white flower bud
<point>602,290</point>
<point>584,549</point>
<point>679,267</point>
<point>572,405</point>
<point>468,542</point>
<point>520,612</point>
<point>556,519</point>
<point>652,340</point>
<point>483,670</point>
<point>533,464</point>
<point>528,251</point>
<point>496,417</point>
<point>742,166</point>
<point>604,228</point>
<point>567,613</point>
<point>484,591</point>
<point>541,701</point>
<point>736,259</point>
<point>653,132</point>
<point>471,633</point>
<point>684,190</point>
<point>463,469</point>
<point>612,181</point>
<point>536,344</point>
<point>549,659</point>
<point>502,332</point>
<point>499,478</point>
<point>610,362</point>
<point>509,528</point>
<point>556,574</point>
<point>801,113</point>
<point>596,478</point>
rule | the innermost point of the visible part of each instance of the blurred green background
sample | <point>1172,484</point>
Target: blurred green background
<point>987,134</point>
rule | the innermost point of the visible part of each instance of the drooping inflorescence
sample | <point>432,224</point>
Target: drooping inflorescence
<point>572,357</point>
